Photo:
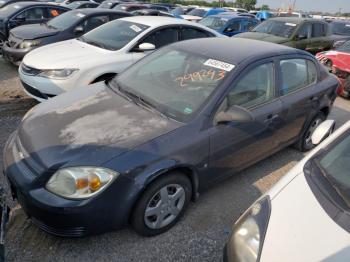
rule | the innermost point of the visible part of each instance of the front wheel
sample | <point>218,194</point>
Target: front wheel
<point>162,204</point>
<point>305,142</point>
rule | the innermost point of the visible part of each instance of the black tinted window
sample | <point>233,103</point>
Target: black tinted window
<point>162,37</point>
<point>234,26</point>
<point>33,14</point>
<point>318,30</point>
<point>191,33</point>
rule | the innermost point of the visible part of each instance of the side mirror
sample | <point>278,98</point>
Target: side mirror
<point>322,131</point>
<point>146,47</point>
<point>79,29</point>
<point>301,37</point>
<point>234,114</point>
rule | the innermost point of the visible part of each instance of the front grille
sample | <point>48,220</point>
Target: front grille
<point>27,70</point>
<point>35,92</point>
<point>63,232</point>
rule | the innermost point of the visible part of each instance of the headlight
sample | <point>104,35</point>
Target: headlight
<point>80,182</point>
<point>58,73</point>
<point>248,233</point>
<point>28,43</point>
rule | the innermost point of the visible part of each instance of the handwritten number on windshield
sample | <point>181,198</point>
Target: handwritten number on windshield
<point>201,75</point>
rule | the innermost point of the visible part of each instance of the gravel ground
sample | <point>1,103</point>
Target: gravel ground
<point>199,236</point>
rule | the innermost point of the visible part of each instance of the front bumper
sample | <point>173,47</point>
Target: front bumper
<point>14,55</point>
<point>42,88</point>
<point>65,217</point>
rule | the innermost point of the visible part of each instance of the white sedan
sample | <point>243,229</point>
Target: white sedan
<point>100,54</point>
<point>305,216</point>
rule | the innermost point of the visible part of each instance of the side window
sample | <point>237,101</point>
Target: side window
<point>296,74</point>
<point>251,24</point>
<point>53,12</point>
<point>305,30</point>
<point>191,33</point>
<point>318,30</point>
<point>254,88</point>
<point>32,14</point>
<point>233,26</point>
<point>162,37</point>
<point>93,22</point>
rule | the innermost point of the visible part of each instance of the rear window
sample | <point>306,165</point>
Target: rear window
<point>341,28</point>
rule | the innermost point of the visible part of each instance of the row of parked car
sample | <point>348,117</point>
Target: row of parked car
<point>136,122</point>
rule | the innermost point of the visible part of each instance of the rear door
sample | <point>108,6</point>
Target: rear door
<point>297,80</point>
<point>318,40</point>
<point>234,146</point>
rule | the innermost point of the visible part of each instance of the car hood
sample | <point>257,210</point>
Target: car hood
<point>87,126</point>
<point>340,60</point>
<point>33,31</point>
<point>298,218</point>
<point>70,54</point>
<point>263,37</point>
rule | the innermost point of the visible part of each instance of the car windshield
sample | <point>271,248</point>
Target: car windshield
<point>215,23</point>
<point>106,5</point>
<point>336,165</point>
<point>198,12</point>
<point>66,20</point>
<point>277,28</point>
<point>288,15</point>
<point>340,28</point>
<point>114,35</point>
<point>176,83</point>
<point>10,9</point>
<point>344,47</point>
<point>74,5</point>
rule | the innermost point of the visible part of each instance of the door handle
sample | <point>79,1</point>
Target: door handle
<point>271,117</point>
<point>314,99</point>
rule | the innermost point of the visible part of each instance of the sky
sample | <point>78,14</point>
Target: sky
<point>331,6</point>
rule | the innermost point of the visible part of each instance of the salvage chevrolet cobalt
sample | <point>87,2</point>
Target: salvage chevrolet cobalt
<point>136,149</point>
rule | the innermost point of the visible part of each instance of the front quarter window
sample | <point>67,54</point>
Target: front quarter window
<point>176,82</point>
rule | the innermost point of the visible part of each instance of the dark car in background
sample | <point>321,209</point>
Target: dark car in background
<point>230,24</point>
<point>136,149</point>
<point>69,25</point>
<point>110,4</point>
<point>341,29</point>
<point>312,35</point>
<point>23,13</point>
<point>130,7</point>
<point>151,12</point>
<point>82,5</point>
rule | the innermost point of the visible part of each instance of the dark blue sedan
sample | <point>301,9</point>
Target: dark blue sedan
<point>230,24</point>
<point>136,149</point>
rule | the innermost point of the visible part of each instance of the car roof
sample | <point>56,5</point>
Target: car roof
<point>236,50</point>
<point>295,20</point>
<point>232,16</point>
<point>30,3</point>
<point>154,21</point>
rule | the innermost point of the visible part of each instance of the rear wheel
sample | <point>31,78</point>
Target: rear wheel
<point>162,204</point>
<point>2,42</point>
<point>305,143</point>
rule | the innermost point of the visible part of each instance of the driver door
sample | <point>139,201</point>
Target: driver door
<point>235,145</point>
<point>34,15</point>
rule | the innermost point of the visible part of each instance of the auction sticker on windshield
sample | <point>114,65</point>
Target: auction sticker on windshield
<point>219,64</point>
<point>135,28</point>
<point>291,24</point>
<point>80,15</point>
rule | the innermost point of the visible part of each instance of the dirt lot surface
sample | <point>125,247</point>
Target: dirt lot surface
<point>200,235</point>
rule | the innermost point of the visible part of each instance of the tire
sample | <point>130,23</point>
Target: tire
<point>161,217</point>
<point>304,143</point>
<point>2,41</point>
